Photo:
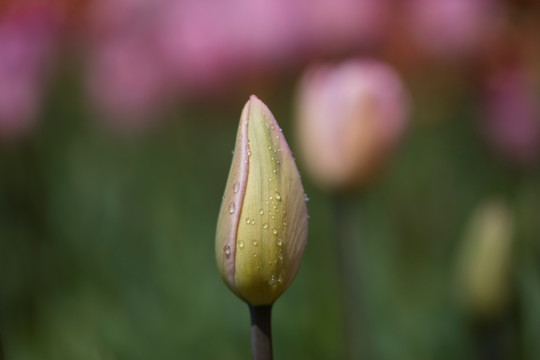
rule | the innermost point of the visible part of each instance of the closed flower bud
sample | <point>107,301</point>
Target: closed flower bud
<point>484,268</point>
<point>263,221</point>
<point>349,118</point>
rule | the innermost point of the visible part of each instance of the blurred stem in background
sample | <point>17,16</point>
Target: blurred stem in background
<point>261,332</point>
<point>350,277</point>
<point>2,357</point>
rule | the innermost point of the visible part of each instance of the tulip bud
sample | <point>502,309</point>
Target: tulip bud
<point>484,266</point>
<point>263,221</point>
<point>349,117</point>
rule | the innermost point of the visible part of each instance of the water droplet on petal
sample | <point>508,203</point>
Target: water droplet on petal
<point>255,243</point>
<point>232,208</point>
<point>227,250</point>
<point>278,196</point>
<point>265,226</point>
<point>236,187</point>
<point>261,211</point>
<point>279,242</point>
<point>273,281</point>
<point>274,231</point>
<point>241,244</point>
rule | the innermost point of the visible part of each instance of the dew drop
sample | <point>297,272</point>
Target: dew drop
<point>265,226</point>
<point>274,231</point>
<point>227,250</point>
<point>261,211</point>
<point>255,242</point>
<point>278,196</point>
<point>270,197</point>
<point>284,222</point>
<point>236,187</point>
<point>279,242</point>
<point>241,244</point>
<point>232,208</point>
<point>273,281</point>
<point>255,255</point>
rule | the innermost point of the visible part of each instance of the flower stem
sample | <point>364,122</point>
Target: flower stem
<point>261,332</point>
<point>349,268</point>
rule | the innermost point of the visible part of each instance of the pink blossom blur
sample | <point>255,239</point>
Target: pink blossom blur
<point>511,119</point>
<point>28,35</point>
<point>349,118</point>
<point>142,53</point>
<point>450,29</point>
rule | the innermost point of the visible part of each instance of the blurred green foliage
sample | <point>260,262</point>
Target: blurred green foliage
<point>107,241</point>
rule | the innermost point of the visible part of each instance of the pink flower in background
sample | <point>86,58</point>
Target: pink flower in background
<point>126,76</point>
<point>143,53</point>
<point>207,43</point>
<point>343,24</point>
<point>349,119</point>
<point>450,29</point>
<point>28,37</point>
<point>511,119</point>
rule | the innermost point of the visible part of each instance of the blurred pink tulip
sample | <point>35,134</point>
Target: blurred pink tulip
<point>349,118</point>
<point>343,24</point>
<point>127,78</point>
<point>511,119</point>
<point>450,29</point>
<point>142,52</point>
<point>28,34</point>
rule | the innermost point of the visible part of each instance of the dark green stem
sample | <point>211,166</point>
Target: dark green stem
<point>261,332</point>
<point>490,340</point>
<point>349,253</point>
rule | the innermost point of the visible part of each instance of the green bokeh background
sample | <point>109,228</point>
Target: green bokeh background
<point>107,239</point>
